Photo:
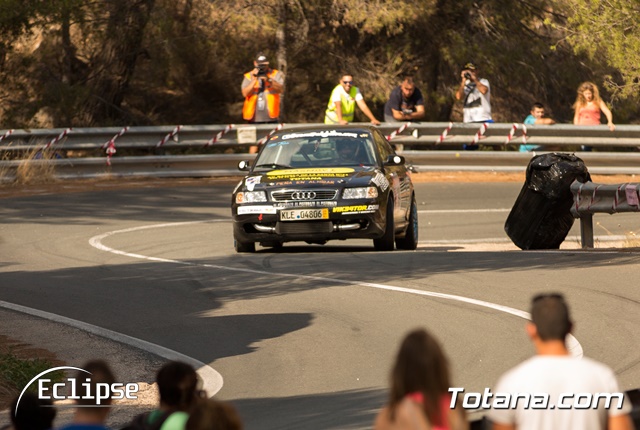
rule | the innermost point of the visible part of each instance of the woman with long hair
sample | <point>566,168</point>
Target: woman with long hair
<point>589,105</point>
<point>419,396</point>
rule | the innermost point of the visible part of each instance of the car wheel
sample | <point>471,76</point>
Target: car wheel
<point>244,246</point>
<point>386,242</point>
<point>410,240</point>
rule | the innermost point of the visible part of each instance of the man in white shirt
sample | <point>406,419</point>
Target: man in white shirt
<point>572,383</point>
<point>475,93</point>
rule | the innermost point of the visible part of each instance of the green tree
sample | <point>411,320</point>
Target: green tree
<point>609,29</point>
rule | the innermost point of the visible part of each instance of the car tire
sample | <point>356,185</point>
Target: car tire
<point>387,241</point>
<point>244,246</point>
<point>410,240</point>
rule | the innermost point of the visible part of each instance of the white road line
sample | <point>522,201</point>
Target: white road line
<point>212,380</point>
<point>574,346</point>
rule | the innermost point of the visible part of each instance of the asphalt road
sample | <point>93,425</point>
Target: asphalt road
<point>304,338</point>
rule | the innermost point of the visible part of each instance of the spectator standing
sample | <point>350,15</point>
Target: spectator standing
<point>475,93</point>
<point>342,103</point>
<point>178,387</point>
<point>536,117</point>
<point>90,415</point>
<point>405,103</point>
<point>589,105</point>
<point>261,89</point>
<point>554,371</point>
<point>212,414</point>
<point>419,397</point>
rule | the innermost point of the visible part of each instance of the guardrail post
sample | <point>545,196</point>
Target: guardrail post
<point>586,230</point>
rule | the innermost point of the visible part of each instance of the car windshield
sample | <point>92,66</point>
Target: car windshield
<point>317,149</point>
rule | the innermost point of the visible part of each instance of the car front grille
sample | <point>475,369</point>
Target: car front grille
<point>303,195</point>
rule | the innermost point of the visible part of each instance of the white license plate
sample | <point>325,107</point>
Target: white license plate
<point>303,214</point>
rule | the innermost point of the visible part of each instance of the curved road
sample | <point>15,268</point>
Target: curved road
<point>304,338</point>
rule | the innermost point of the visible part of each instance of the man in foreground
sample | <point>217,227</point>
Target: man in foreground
<point>554,371</point>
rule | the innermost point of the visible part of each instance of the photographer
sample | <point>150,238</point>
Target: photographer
<point>476,95</point>
<point>405,102</point>
<point>261,89</point>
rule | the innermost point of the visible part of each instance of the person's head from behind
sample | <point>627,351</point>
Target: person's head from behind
<point>537,110</point>
<point>407,86</point>
<point>214,415</point>
<point>346,148</point>
<point>420,366</point>
<point>89,385</point>
<point>550,319</point>
<point>178,386</point>
<point>32,413</point>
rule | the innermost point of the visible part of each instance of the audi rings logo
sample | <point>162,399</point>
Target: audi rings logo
<point>303,195</point>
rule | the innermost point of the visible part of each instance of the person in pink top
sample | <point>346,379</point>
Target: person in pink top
<point>589,105</point>
<point>419,397</point>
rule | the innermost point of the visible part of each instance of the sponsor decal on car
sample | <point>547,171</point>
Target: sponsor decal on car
<point>310,174</point>
<point>243,210</point>
<point>358,209</point>
<point>330,133</point>
<point>321,204</point>
<point>381,181</point>
<point>251,182</point>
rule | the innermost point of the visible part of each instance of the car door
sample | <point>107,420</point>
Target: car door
<point>398,178</point>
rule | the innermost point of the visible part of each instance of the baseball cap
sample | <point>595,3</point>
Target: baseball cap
<point>261,58</point>
<point>470,66</point>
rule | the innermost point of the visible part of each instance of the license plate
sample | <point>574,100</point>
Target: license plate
<point>303,214</point>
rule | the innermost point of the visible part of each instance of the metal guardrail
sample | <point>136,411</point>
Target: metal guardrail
<point>590,198</point>
<point>226,164</point>
<point>435,146</point>
<point>429,134</point>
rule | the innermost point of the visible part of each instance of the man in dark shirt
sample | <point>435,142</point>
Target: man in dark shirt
<point>405,103</point>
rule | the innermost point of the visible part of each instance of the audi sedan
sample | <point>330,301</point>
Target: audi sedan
<point>316,184</point>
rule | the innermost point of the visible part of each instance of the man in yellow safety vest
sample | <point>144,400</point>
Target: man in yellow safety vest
<point>342,104</point>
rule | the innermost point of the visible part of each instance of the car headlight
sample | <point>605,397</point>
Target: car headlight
<point>251,197</point>
<point>360,193</point>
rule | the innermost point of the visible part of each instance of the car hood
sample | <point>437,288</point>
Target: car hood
<point>333,176</point>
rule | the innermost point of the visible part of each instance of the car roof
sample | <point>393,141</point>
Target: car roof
<point>306,128</point>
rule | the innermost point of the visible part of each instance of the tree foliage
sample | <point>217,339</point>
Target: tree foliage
<point>87,62</point>
<point>609,30</point>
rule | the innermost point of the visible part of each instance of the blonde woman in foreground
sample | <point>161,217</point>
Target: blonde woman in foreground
<point>419,397</point>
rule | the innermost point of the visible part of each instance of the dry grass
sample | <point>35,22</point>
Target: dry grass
<point>37,167</point>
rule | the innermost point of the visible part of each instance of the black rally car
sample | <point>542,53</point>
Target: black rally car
<point>316,184</point>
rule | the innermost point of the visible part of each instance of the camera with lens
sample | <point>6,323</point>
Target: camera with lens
<point>467,75</point>
<point>407,111</point>
<point>263,69</point>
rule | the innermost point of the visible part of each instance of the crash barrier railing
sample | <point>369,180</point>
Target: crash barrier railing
<point>208,165</point>
<point>427,135</point>
<point>590,198</point>
<point>443,141</point>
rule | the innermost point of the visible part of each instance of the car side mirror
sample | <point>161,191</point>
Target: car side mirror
<point>394,160</point>
<point>244,165</point>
